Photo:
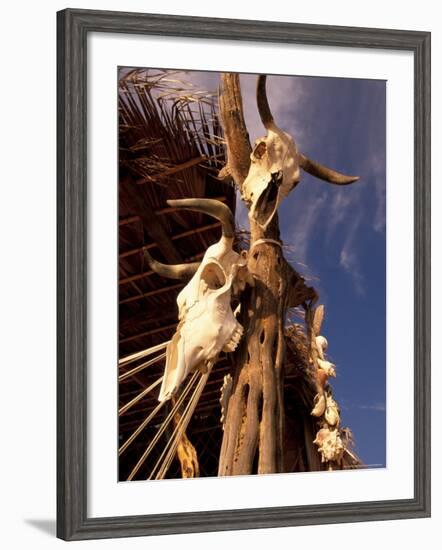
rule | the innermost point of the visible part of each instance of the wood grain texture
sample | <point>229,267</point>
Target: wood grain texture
<point>72,29</point>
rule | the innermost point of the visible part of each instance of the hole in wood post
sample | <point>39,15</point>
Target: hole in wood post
<point>262,336</point>
<point>260,404</point>
<point>245,392</point>
<point>275,346</point>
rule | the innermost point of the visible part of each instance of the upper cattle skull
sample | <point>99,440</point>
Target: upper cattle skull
<point>274,171</point>
<point>275,166</point>
<point>207,324</point>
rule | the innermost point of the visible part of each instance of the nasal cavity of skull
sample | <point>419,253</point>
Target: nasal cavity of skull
<point>277,177</point>
<point>267,201</point>
<point>260,150</point>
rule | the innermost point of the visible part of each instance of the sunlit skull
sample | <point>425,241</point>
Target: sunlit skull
<point>274,171</point>
<point>275,166</point>
<point>207,324</point>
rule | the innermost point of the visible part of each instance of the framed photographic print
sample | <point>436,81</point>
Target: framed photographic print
<point>243,274</point>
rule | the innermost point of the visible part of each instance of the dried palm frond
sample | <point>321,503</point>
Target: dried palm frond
<point>155,103</point>
<point>170,146</point>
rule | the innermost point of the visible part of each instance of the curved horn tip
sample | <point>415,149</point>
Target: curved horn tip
<point>178,271</point>
<point>323,172</point>
<point>349,179</point>
<point>262,101</point>
<point>173,202</point>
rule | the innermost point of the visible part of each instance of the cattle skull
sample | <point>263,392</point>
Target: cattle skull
<point>275,167</point>
<point>207,324</point>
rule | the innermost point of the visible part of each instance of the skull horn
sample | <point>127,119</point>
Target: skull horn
<point>213,208</point>
<point>178,271</point>
<point>262,101</point>
<point>324,173</point>
<point>308,165</point>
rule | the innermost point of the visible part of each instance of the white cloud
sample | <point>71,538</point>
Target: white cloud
<point>348,259</point>
<point>377,406</point>
<point>342,204</point>
<point>378,174</point>
<point>302,232</point>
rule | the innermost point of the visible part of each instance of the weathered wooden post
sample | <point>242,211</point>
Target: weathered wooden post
<point>253,440</point>
<point>254,424</point>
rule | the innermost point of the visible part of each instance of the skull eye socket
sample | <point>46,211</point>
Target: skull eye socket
<point>213,276</point>
<point>260,150</point>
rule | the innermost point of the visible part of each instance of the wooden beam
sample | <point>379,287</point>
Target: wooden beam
<point>147,333</point>
<point>172,170</point>
<point>125,272</point>
<point>130,219</point>
<point>135,277</point>
<point>150,272</point>
<point>136,250</point>
<point>155,292</point>
<point>197,230</point>
<point>162,211</point>
<point>173,238</point>
<point>152,223</point>
<point>171,209</point>
<point>145,317</point>
<point>158,233</point>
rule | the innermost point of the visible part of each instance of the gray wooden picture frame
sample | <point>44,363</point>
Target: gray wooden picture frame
<point>73,27</point>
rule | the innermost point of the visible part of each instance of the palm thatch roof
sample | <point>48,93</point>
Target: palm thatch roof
<point>171,146</point>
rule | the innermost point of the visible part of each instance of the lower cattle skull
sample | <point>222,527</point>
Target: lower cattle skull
<point>207,324</point>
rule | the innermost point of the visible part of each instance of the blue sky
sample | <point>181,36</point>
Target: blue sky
<point>336,235</point>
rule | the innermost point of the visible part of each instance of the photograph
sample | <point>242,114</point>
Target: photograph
<point>224,249</point>
<point>252,274</point>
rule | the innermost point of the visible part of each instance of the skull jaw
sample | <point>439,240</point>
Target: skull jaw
<point>209,328</point>
<point>175,370</point>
